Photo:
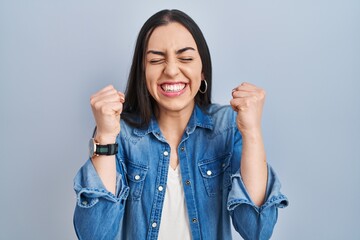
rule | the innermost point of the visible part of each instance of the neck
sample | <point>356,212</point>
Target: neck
<point>173,123</point>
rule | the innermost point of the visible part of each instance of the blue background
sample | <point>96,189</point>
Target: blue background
<point>305,54</point>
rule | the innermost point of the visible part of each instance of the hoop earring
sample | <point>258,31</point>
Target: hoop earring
<point>206,86</point>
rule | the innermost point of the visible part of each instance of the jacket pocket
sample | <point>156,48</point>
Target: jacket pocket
<point>216,173</point>
<point>136,175</point>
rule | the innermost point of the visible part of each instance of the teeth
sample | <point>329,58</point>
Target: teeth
<point>173,87</point>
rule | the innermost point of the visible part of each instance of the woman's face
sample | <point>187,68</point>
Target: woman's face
<point>173,68</point>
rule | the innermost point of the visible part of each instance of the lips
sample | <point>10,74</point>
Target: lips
<point>172,87</point>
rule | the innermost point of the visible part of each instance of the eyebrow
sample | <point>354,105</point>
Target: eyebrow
<point>184,50</point>
<point>177,52</point>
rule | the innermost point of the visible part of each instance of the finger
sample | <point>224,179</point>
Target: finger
<point>257,93</point>
<point>99,104</point>
<point>111,92</point>
<point>249,85</point>
<point>238,104</point>
<point>104,92</point>
<point>116,107</point>
<point>122,97</point>
<point>109,108</point>
<point>245,86</point>
<point>243,94</point>
<point>110,98</point>
<point>233,106</point>
<point>107,88</point>
<point>101,95</point>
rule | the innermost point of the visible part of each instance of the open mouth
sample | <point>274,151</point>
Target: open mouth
<point>174,87</point>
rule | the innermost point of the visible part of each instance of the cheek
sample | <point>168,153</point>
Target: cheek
<point>150,76</point>
<point>154,71</point>
<point>194,73</point>
<point>197,70</point>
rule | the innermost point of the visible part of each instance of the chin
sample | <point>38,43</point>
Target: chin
<point>176,106</point>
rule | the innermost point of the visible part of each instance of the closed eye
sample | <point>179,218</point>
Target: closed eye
<point>185,59</point>
<point>156,61</point>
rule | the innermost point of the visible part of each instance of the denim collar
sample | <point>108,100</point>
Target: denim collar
<point>198,118</point>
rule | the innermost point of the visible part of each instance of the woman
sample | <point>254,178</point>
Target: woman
<point>167,164</point>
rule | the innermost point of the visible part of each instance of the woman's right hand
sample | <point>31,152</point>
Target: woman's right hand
<point>107,105</point>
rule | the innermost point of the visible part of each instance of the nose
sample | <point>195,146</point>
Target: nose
<point>171,69</point>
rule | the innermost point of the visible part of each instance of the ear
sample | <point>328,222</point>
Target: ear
<point>202,76</point>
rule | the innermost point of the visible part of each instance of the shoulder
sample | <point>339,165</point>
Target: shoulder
<point>222,116</point>
<point>221,112</point>
<point>214,109</point>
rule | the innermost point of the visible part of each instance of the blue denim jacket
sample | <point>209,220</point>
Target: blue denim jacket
<point>209,157</point>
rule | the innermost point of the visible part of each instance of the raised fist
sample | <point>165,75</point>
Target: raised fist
<point>248,101</point>
<point>107,105</point>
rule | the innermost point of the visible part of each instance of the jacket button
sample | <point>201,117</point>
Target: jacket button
<point>160,188</point>
<point>137,177</point>
<point>154,224</point>
<point>194,220</point>
<point>182,149</point>
<point>208,172</point>
<point>166,153</point>
<point>187,182</point>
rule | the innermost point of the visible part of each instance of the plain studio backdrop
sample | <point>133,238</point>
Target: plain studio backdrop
<point>305,54</point>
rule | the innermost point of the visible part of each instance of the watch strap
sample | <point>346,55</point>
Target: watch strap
<point>109,149</point>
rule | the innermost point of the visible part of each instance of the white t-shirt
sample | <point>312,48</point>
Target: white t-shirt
<point>174,219</point>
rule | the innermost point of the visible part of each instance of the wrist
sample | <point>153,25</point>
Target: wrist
<point>251,135</point>
<point>105,139</point>
<point>103,149</point>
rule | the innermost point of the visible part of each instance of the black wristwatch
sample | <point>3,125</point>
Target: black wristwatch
<point>95,149</point>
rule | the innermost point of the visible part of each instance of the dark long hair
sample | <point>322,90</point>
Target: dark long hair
<point>140,105</point>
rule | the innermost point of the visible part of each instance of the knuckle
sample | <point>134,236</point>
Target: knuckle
<point>118,98</point>
<point>120,109</point>
<point>92,98</point>
<point>103,110</point>
<point>262,93</point>
<point>113,91</point>
<point>96,105</point>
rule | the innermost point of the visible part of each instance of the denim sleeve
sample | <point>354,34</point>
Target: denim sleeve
<point>98,212</point>
<point>251,221</point>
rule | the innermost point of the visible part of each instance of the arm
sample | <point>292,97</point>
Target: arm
<point>107,106</point>
<point>98,213</point>
<point>253,166</point>
<point>100,184</point>
<point>248,101</point>
<point>255,196</point>
<point>251,221</point>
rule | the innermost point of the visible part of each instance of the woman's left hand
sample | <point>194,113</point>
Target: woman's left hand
<point>248,101</point>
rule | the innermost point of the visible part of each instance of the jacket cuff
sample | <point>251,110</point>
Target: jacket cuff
<point>89,187</point>
<point>238,194</point>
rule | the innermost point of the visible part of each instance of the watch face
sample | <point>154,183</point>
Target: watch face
<point>92,147</point>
